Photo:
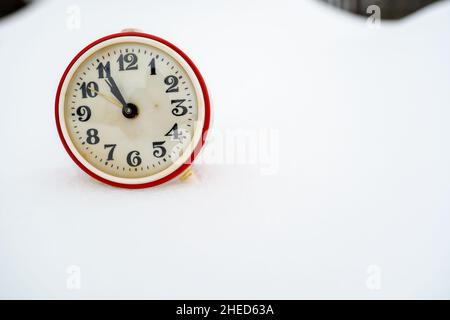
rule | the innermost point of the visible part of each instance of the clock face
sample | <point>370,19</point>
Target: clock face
<point>132,110</point>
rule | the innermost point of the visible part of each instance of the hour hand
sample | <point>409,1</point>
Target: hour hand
<point>115,90</point>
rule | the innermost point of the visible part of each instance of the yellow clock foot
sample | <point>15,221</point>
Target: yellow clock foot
<point>186,175</point>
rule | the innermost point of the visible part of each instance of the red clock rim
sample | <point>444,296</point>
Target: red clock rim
<point>197,149</point>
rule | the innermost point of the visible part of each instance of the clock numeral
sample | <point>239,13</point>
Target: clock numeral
<point>179,110</point>
<point>159,151</point>
<point>130,59</point>
<point>89,90</point>
<point>111,151</point>
<point>152,66</point>
<point>172,82</point>
<point>92,136</point>
<point>133,159</point>
<point>104,69</point>
<point>174,132</point>
<point>83,113</point>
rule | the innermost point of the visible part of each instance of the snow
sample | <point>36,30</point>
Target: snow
<point>346,194</point>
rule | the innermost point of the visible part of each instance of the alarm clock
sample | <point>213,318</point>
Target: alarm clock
<point>132,110</point>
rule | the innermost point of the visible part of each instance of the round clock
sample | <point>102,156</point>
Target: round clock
<point>132,110</point>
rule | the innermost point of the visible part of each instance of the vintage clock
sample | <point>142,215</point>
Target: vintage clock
<point>132,110</point>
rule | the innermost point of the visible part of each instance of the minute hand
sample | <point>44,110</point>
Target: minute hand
<point>115,91</point>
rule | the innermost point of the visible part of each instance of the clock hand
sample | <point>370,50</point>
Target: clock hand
<point>129,110</point>
<point>106,97</point>
<point>115,91</point>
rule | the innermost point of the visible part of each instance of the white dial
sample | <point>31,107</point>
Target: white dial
<point>132,110</point>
